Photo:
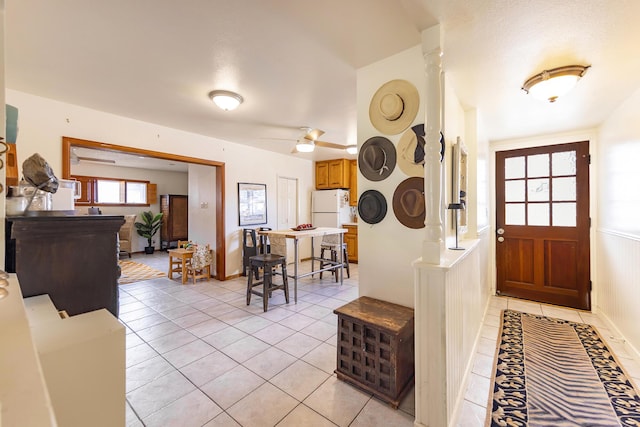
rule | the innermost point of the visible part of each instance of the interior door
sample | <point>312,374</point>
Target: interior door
<point>542,224</point>
<point>288,209</point>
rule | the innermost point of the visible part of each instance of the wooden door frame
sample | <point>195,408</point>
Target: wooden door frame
<point>590,135</point>
<point>220,246</point>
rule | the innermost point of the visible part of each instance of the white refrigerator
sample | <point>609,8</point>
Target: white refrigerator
<point>330,208</point>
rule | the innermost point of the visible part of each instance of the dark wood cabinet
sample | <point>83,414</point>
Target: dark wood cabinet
<point>376,348</point>
<point>175,219</point>
<point>74,259</point>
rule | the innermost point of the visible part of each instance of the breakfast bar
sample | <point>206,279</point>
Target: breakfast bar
<point>296,235</point>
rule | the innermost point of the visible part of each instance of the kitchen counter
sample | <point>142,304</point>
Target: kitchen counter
<point>349,224</point>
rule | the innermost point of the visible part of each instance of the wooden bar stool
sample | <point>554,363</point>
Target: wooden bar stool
<point>331,243</point>
<point>269,264</point>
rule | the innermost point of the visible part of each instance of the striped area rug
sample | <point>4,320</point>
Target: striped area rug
<point>136,272</point>
<point>553,372</point>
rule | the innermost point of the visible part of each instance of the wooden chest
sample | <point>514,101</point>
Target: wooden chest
<point>375,347</point>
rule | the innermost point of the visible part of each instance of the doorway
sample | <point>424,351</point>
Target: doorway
<point>220,244</point>
<point>288,209</point>
<point>542,224</point>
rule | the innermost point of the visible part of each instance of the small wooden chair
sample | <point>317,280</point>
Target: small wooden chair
<point>199,266</point>
<point>176,263</point>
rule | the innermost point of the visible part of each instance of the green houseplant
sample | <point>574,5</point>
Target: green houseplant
<point>148,228</point>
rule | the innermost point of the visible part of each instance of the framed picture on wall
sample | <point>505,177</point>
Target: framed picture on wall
<point>252,204</point>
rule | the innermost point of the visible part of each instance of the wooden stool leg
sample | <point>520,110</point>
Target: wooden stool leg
<point>345,259</point>
<point>249,285</point>
<point>334,258</point>
<point>266,286</point>
<point>321,262</point>
<point>285,282</point>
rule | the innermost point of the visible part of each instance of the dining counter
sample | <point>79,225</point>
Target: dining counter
<point>296,235</point>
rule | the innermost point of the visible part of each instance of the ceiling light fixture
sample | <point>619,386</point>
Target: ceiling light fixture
<point>226,99</point>
<point>352,149</point>
<point>305,145</point>
<point>551,84</point>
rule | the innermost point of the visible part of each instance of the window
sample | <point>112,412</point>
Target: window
<point>113,191</point>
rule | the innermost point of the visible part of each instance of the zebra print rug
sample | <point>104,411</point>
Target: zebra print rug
<point>553,372</point>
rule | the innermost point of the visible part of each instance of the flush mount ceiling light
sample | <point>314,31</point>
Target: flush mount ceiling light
<point>305,145</point>
<point>551,84</point>
<point>352,149</point>
<point>225,99</point>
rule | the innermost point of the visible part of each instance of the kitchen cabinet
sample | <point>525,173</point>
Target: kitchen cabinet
<point>353,183</point>
<point>351,239</point>
<point>322,175</point>
<point>331,174</point>
<point>74,259</point>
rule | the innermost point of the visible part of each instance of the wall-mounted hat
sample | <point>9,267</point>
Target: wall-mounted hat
<point>372,206</point>
<point>408,202</point>
<point>411,150</point>
<point>377,158</point>
<point>394,106</point>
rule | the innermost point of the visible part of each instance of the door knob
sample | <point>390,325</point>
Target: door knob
<point>500,239</point>
<point>500,231</point>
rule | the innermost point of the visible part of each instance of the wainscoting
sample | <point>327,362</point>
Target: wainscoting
<point>617,286</point>
<point>450,303</point>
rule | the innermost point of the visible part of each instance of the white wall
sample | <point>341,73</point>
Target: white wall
<point>202,205</point>
<point>618,229</point>
<point>43,123</point>
<point>386,249</point>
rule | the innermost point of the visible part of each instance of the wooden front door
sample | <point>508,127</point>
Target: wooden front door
<point>542,224</point>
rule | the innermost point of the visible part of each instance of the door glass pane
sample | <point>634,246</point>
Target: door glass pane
<point>514,214</point>
<point>514,167</point>
<point>538,190</point>
<point>514,191</point>
<point>538,165</point>
<point>564,188</point>
<point>564,214</point>
<point>538,214</point>
<point>564,163</point>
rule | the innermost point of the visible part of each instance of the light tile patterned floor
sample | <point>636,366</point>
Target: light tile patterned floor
<point>197,355</point>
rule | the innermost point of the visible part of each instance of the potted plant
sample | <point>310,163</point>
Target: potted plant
<point>148,228</point>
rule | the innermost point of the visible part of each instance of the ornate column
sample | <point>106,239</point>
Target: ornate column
<point>432,243</point>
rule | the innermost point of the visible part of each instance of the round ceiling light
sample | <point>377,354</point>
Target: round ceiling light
<point>226,99</point>
<point>549,85</point>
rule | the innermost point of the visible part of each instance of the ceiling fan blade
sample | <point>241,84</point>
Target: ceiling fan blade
<point>330,145</point>
<point>313,134</point>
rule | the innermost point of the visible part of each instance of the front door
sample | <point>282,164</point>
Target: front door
<point>542,224</point>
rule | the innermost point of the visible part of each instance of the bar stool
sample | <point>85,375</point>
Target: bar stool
<point>331,242</point>
<point>269,264</point>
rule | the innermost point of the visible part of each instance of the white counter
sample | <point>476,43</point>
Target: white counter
<point>24,398</point>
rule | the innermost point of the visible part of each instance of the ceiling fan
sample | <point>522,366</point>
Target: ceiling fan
<point>309,140</point>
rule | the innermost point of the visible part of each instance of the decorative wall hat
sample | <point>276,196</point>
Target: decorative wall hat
<point>394,106</point>
<point>372,207</point>
<point>377,158</point>
<point>411,150</point>
<point>408,202</point>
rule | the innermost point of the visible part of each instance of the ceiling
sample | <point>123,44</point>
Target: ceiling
<point>295,61</point>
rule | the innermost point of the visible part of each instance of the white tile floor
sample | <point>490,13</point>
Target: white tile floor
<point>197,355</point>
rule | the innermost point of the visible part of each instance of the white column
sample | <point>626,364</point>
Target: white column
<point>432,243</point>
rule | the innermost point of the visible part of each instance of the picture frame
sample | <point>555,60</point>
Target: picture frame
<point>252,204</point>
<point>459,185</point>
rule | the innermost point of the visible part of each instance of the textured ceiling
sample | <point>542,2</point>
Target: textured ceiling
<point>295,61</point>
